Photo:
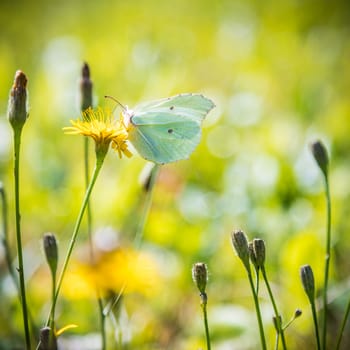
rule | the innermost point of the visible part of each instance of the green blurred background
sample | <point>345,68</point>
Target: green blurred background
<point>279,73</point>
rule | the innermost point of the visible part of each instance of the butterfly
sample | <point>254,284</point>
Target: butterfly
<point>169,129</point>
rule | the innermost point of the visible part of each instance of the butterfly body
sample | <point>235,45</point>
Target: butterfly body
<point>167,130</point>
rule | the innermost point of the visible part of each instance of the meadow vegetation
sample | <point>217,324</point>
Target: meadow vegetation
<point>265,194</point>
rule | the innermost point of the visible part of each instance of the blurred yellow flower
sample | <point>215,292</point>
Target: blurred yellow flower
<point>103,128</point>
<point>112,271</point>
<point>301,249</point>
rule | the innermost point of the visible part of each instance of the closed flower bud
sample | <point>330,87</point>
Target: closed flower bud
<point>252,256</point>
<point>17,107</point>
<point>200,276</point>
<point>277,322</point>
<point>319,152</point>
<point>307,279</point>
<point>240,245</point>
<point>85,88</point>
<point>259,251</point>
<point>48,339</point>
<point>297,313</point>
<point>51,251</point>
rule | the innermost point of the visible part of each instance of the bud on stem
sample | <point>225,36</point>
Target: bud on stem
<point>51,251</point>
<point>307,279</point>
<point>85,88</point>
<point>319,152</point>
<point>200,276</point>
<point>17,107</point>
<point>257,252</point>
<point>240,245</point>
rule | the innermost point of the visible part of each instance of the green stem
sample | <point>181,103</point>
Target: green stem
<point>288,323</point>
<point>5,239</point>
<point>103,323</point>
<point>89,229</point>
<point>53,294</point>
<point>258,313</point>
<point>277,340</point>
<point>8,257</point>
<point>148,203</point>
<point>139,232</point>
<point>118,336</point>
<point>314,317</point>
<point>17,144</point>
<point>100,156</point>
<point>87,180</point>
<point>205,317</point>
<point>327,262</point>
<point>341,331</point>
<point>52,321</point>
<point>277,315</point>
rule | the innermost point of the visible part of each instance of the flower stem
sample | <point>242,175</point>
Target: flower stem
<point>5,238</point>
<point>257,281</point>
<point>89,229</point>
<point>53,295</point>
<point>100,156</point>
<point>87,180</point>
<point>297,314</point>
<point>86,86</point>
<point>258,313</point>
<point>205,318</point>
<point>8,257</point>
<point>139,232</point>
<point>52,338</point>
<point>17,144</point>
<point>103,323</point>
<point>277,340</point>
<point>314,317</point>
<point>280,330</point>
<point>327,262</point>
<point>341,331</point>
<point>147,207</point>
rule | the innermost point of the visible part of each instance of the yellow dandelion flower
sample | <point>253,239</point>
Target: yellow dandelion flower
<point>100,125</point>
<point>137,272</point>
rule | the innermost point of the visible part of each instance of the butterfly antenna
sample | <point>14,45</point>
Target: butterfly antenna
<point>115,100</point>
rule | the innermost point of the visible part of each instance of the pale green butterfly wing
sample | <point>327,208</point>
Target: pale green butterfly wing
<point>168,130</point>
<point>194,106</point>
<point>165,143</point>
